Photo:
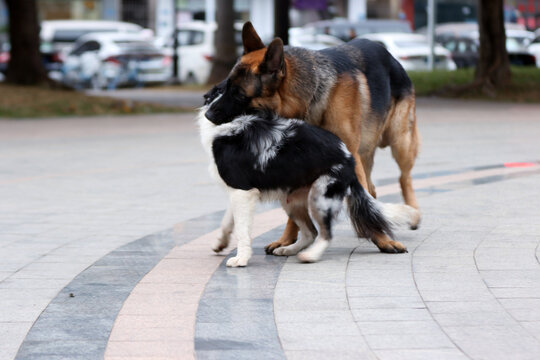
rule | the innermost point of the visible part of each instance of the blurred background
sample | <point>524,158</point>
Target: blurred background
<point>111,44</point>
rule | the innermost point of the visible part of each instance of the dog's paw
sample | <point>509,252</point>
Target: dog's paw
<point>285,251</point>
<point>219,245</point>
<point>270,248</point>
<point>221,242</point>
<point>415,221</point>
<point>237,261</point>
<point>308,257</point>
<point>314,252</point>
<point>393,247</point>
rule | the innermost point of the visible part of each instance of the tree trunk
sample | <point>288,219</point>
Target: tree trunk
<point>493,70</point>
<point>281,20</point>
<point>225,45</point>
<point>25,66</point>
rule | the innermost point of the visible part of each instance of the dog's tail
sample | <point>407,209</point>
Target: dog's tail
<point>370,216</point>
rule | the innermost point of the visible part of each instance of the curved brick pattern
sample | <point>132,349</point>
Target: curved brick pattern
<point>235,318</point>
<point>157,320</point>
<point>472,266</point>
<point>74,189</point>
<point>480,282</point>
<point>311,310</point>
<point>78,321</point>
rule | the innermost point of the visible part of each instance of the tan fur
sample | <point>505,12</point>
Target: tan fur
<point>253,59</point>
<point>346,114</point>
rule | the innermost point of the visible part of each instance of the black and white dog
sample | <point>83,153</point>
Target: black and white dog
<point>260,156</point>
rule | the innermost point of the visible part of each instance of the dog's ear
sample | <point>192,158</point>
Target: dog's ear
<point>273,59</point>
<point>250,38</point>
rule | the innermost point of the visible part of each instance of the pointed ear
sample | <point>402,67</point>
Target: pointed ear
<point>273,59</point>
<point>250,38</point>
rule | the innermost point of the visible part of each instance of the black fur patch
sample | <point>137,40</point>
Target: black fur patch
<point>301,159</point>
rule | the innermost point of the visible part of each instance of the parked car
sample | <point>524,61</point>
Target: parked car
<point>452,30</point>
<point>108,60</point>
<point>61,34</point>
<point>464,50</point>
<point>534,48</point>
<point>196,49</point>
<point>57,36</point>
<point>347,30</point>
<point>454,36</point>
<point>412,51</point>
<point>299,37</point>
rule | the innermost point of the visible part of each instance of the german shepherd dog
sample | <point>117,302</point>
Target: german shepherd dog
<point>357,91</point>
<point>262,156</point>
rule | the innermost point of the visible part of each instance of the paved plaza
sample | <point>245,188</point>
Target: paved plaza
<point>106,226</point>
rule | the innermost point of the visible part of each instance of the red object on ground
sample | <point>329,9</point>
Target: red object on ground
<point>519,164</point>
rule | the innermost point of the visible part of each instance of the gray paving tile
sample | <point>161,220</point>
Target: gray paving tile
<point>391,314</point>
<point>392,327</point>
<point>495,342</point>
<point>240,321</point>
<point>434,340</point>
<point>239,354</point>
<point>77,350</point>
<point>384,302</point>
<point>329,354</point>
<point>421,354</point>
<point>320,343</point>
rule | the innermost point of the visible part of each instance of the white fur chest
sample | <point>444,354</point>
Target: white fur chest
<point>207,132</point>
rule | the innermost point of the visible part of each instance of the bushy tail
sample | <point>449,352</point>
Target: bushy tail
<point>367,218</point>
<point>370,216</point>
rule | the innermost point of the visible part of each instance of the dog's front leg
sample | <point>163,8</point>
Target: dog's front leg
<point>227,226</point>
<point>243,207</point>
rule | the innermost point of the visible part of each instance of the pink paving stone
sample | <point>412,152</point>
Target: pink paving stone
<point>151,321</point>
<point>181,350</point>
<point>151,334</point>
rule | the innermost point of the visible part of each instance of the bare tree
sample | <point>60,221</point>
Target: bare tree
<point>493,69</point>
<point>225,45</point>
<point>25,66</point>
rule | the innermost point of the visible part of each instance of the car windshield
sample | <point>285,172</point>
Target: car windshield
<point>136,46</point>
<point>410,43</point>
<point>70,35</point>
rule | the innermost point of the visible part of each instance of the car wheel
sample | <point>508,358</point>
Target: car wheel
<point>191,79</point>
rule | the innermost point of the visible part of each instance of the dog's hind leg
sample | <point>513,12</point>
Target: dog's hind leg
<point>404,142</point>
<point>367,162</point>
<point>325,202</point>
<point>296,206</point>
<point>243,208</point>
<point>227,226</point>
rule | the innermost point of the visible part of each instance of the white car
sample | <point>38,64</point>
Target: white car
<point>63,33</point>
<point>196,50</point>
<point>310,40</point>
<point>534,48</point>
<point>412,51</point>
<point>58,36</point>
<point>108,60</point>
